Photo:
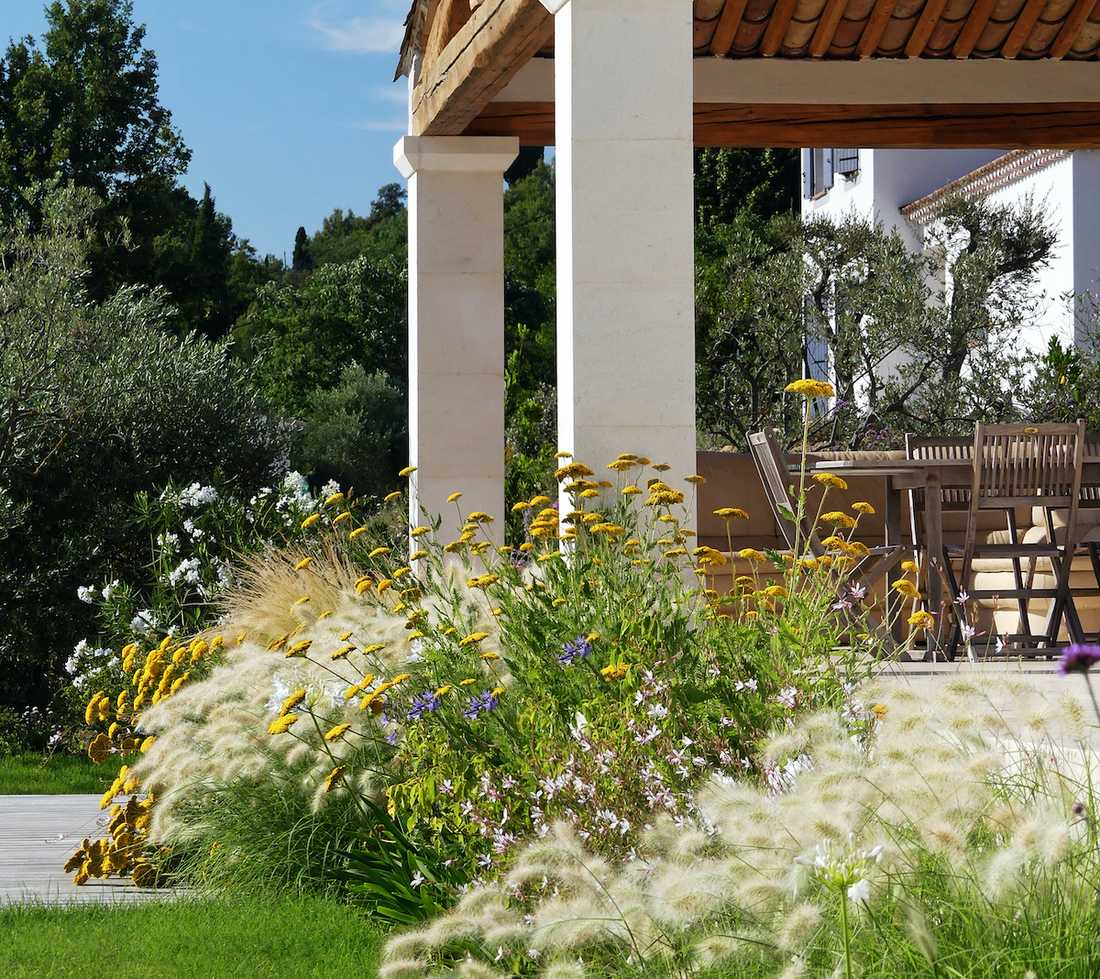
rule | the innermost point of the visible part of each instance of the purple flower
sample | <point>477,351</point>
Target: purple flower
<point>579,648</point>
<point>425,703</point>
<point>480,705</point>
<point>1079,658</point>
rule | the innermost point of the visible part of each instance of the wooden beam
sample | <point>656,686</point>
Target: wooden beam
<point>1071,28</point>
<point>1069,125</point>
<point>776,30</point>
<point>926,23</point>
<point>722,42</point>
<point>478,62</point>
<point>447,21</point>
<point>976,21</point>
<point>826,27</point>
<point>873,30</point>
<point>1021,30</point>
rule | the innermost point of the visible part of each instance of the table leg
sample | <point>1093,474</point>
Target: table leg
<point>933,530</point>
<point>891,523</point>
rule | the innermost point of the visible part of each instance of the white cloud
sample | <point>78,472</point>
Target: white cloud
<point>356,35</point>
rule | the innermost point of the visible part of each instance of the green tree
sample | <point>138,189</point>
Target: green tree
<point>345,236</point>
<point>729,182</point>
<point>302,260</point>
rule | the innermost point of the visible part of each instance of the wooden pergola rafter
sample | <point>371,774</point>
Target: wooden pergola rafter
<point>473,50</point>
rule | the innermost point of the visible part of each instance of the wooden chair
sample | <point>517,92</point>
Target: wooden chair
<point>957,500</point>
<point>1025,465</point>
<point>773,467</point>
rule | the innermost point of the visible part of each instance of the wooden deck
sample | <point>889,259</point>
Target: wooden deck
<point>37,835</point>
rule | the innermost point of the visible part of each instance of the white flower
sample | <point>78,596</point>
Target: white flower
<point>144,622</point>
<point>110,589</point>
<point>194,532</point>
<point>86,593</point>
<point>196,495</point>
<point>417,879</point>
<point>860,890</point>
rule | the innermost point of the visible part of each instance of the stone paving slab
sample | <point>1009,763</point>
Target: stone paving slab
<point>37,835</point>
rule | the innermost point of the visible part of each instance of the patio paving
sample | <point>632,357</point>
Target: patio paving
<point>37,835</point>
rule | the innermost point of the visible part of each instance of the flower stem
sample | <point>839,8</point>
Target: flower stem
<point>1092,696</point>
<point>847,935</point>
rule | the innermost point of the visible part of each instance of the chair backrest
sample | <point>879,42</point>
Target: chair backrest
<point>771,464</point>
<point>1028,465</point>
<point>940,447</point>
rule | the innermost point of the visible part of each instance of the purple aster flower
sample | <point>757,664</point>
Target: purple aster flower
<point>425,703</point>
<point>579,648</point>
<point>1079,658</point>
<point>480,705</point>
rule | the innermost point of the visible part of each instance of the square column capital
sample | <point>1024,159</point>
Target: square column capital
<point>554,5</point>
<point>455,154</point>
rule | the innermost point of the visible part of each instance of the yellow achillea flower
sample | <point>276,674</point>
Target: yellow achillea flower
<point>838,519</point>
<point>903,586</point>
<point>631,490</point>
<point>334,776</point>
<point>526,547</point>
<point>419,531</point>
<point>616,671</point>
<point>99,748</point>
<point>357,533</point>
<point>310,520</point>
<point>373,648</point>
<point>392,497</point>
<point>862,506</point>
<point>621,465</point>
<point>559,602</point>
<point>384,585</point>
<point>444,690</point>
<point>92,710</point>
<point>662,467</point>
<point>540,501</point>
<point>292,701</point>
<point>299,648</point>
<point>548,556</point>
<point>407,471</point>
<point>922,620</point>
<point>147,743</point>
<point>401,572</point>
<point>364,584</point>
<point>879,710</point>
<point>695,479</point>
<point>282,724</point>
<point>751,554</point>
<point>379,552</point>
<point>454,497</point>
<point>337,732</point>
<point>731,513</point>
<point>835,542</point>
<point>400,678</point>
<point>469,681</point>
<point>455,545</point>
<point>521,506</point>
<point>334,499</point>
<point>810,388</point>
<point>343,651</point>
<point>418,555</point>
<point>830,479</point>
<point>675,552</point>
<point>473,638</point>
<point>340,518</point>
<point>775,591</point>
<point>857,548</point>
<point>490,656</point>
<point>589,494</point>
<point>909,566</point>
<point>479,517</point>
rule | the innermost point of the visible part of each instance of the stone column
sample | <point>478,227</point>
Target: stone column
<point>456,324</point>
<point>625,232</point>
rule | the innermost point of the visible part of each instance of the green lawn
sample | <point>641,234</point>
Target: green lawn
<point>189,939</point>
<point>54,775</point>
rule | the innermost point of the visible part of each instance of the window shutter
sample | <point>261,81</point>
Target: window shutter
<point>827,169</point>
<point>807,173</point>
<point>846,161</point>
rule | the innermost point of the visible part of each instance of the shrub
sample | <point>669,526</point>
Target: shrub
<point>918,837</point>
<point>465,702</point>
<point>99,403</point>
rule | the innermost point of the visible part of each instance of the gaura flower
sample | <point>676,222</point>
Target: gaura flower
<point>830,479</point>
<point>337,732</point>
<point>310,520</point>
<point>810,388</point>
<point>863,507</point>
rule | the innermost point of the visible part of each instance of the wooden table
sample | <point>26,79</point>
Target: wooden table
<point>931,475</point>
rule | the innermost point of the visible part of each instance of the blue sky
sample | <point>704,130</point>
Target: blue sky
<point>287,105</point>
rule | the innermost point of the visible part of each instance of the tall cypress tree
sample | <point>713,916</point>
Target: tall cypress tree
<point>303,257</point>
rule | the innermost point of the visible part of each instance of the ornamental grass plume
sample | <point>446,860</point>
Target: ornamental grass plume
<point>935,807</point>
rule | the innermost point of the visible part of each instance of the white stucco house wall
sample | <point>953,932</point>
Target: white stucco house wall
<point>906,189</point>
